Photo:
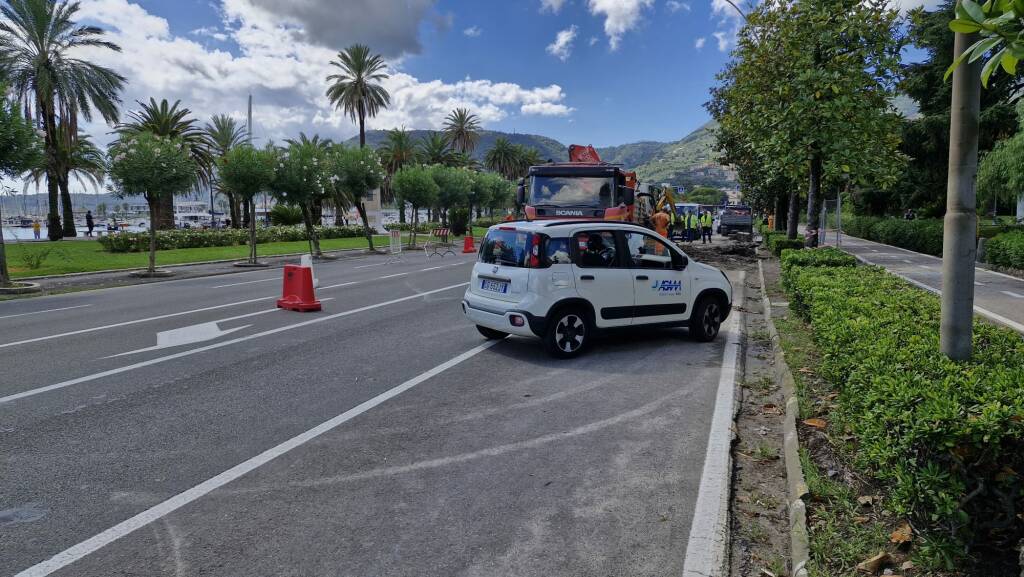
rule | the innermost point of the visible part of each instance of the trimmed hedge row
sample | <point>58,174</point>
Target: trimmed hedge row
<point>1006,249</point>
<point>947,438</point>
<point>423,227</point>
<point>815,257</point>
<point>776,242</point>
<point>920,235</point>
<point>198,238</point>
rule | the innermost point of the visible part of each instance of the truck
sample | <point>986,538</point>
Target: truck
<point>583,188</point>
<point>736,218</point>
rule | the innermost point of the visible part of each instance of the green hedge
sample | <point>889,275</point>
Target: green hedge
<point>946,438</point>
<point>776,242</point>
<point>423,227</point>
<point>921,235</point>
<point>198,238</point>
<point>1006,249</point>
<point>814,257</point>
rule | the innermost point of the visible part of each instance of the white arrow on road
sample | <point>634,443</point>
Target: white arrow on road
<point>185,336</point>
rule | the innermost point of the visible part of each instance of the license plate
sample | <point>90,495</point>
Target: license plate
<point>495,286</point>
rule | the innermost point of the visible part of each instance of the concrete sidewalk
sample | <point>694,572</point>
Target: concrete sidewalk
<point>998,297</point>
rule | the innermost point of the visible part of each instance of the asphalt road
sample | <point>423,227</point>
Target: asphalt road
<point>381,436</point>
<point>997,296</point>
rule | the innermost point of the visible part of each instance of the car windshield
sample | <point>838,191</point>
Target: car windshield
<point>506,247</point>
<point>589,191</point>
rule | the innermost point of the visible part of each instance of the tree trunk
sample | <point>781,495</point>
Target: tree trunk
<point>781,212</point>
<point>53,226</point>
<point>793,219</point>
<point>958,248</point>
<point>362,128</point>
<point>401,211</point>
<point>361,208</point>
<point>1020,208</point>
<point>314,241</point>
<point>152,235</point>
<point>165,213</point>
<point>233,210</point>
<point>339,215</point>
<point>252,233</point>
<point>247,210</point>
<point>68,228</point>
<point>5,277</point>
<point>415,225</point>
<point>54,230</point>
<point>814,202</point>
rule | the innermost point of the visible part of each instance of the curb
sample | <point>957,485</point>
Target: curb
<point>799,548</point>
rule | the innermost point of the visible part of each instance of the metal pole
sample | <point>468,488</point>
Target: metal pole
<point>958,246</point>
<point>249,123</point>
<point>839,219</point>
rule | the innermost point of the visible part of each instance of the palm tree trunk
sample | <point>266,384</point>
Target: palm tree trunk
<point>53,226</point>
<point>362,128</point>
<point>54,231</point>
<point>68,230</point>
<point>366,223</point>
<point>233,210</point>
<point>415,224</point>
<point>153,214</point>
<point>246,206</point>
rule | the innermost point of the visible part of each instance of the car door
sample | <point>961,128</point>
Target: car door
<point>601,277</point>
<point>660,292</point>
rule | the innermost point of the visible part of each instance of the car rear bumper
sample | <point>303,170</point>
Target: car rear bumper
<point>497,319</point>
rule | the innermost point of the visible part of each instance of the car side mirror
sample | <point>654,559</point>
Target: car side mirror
<point>628,195</point>
<point>679,262</point>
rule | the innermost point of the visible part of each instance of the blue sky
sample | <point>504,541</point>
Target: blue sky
<point>599,72</point>
<point>596,72</point>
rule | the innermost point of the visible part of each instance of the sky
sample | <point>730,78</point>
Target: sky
<point>599,72</point>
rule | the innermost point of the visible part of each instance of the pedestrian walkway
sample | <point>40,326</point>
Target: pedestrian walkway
<point>998,297</point>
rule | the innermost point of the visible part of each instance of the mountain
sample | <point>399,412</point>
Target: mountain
<point>548,147</point>
<point>688,162</point>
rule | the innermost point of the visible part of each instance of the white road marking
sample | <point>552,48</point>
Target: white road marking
<point>1013,294</point>
<point>369,265</point>
<point>431,268</point>
<point>139,365</point>
<point>393,275</point>
<point>908,261</point>
<point>104,327</point>
<point>323,288</point>
<point>925,267</point>
<point>247,282</point>
<point>96,542</point>
<point>705,549</point>
<point>976,283</point>
<point>46,311</point>
<point>189,335</point>
<point>874,250</point>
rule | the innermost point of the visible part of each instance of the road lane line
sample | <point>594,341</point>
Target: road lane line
<point>1013,294</point>
<point>369,265</point>
<point>705,548</point>
<point>393,275</point>
<point>46,311</point>
<point>96,542</point>
<point>247,282</point>
<point>323,288</point>
<point>127,323</point>
<point>139,365</point>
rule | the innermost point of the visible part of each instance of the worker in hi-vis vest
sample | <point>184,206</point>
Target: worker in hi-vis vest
<point>705,227</point>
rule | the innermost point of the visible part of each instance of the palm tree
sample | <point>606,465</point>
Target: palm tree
<point>435,149</point>
<point>503,158</point>
<point>37,42</point>
<point>527,156</point>
<point>171,121</point>
<point>322,143</point>
<point>223,134</point>
<point>356,90</point>
<point>461,128</point>
<point>397,151</point>
<point>77,157</point>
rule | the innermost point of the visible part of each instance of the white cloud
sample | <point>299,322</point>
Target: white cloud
<point>593,40</point>
<point>676,6</point>
<point>905,5</point>
<point>285,74</point>
<point>473,31</point>
<point>552,5</point>
<point>723,40</point>
<point>210,32</point>
<point>562,46</point>
<point>620,16</point>
<point>700,43</point>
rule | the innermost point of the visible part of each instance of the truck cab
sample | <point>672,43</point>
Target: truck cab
<point>574,190</point>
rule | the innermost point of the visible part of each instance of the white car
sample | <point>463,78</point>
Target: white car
<point>565,281</point>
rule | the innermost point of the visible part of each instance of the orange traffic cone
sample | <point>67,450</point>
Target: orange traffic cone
<point>467,243</point>
<point>297,292</point>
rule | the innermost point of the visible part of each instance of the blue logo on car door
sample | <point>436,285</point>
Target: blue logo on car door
<point>668,287</point>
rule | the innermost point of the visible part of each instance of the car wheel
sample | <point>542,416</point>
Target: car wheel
<point>491,334</point>
<point>568,334</point>
<point>706,319</point>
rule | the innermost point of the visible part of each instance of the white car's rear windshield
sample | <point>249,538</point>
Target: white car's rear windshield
<point>507,247</point>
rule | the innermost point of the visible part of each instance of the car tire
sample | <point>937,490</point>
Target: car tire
<point>491,334</point>
<point>706,320</point>
<point>568,333</point>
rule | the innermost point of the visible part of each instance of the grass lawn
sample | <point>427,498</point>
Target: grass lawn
<point>85,256</point>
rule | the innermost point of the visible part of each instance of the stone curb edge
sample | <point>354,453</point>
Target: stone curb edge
<point>799,548</point>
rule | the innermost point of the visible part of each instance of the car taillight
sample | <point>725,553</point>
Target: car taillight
<point>535,251</point>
